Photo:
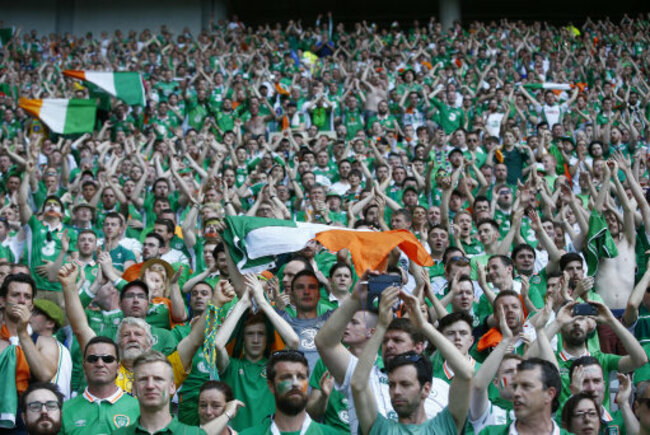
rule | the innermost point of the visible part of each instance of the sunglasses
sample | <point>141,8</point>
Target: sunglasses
<point>458,258</point>
<point>412,358</point>
<point>108,359</point>
<point>278,353</point>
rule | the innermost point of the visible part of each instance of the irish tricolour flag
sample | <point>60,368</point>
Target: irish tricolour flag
<point>549,85</point>
<point>127,86</point>
<point>253,242</point>
<point>63,116</point>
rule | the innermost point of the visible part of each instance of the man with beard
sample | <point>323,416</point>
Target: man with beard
<point>103,407</point>
<point>575,331</point>
<point>410,379</point>
<point>154,385</point>
<point>41,408</point>
<point>506,304</point>
<point>287,374</point>
<point>133,335</point>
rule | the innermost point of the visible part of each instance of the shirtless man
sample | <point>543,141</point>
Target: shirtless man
<point>614,280</point>
<point>375,94</point>
<point>256,125</point>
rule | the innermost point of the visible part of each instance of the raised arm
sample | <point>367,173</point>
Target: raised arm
<point>328,340</point>
<point>636,356</point>
<point>24,211</point>
<point>488,370</point>
<point>289,336</point>
<point>68,278</point>
<point>227,328</point>
<point>364,400</point>
<point>629,225</point>
<point>461,384</point>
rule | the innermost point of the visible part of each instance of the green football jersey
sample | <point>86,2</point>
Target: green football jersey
<point>86,414</point>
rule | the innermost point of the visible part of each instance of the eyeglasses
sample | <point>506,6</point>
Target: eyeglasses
<point>135,296</point>
<point>108,359</point>
<point>588,414</point>
<point>50,405</point>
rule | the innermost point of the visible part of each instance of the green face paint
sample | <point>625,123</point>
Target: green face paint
<point>285,386</point>
<point>292,384</point>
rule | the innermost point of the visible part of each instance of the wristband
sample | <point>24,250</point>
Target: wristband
<point>227,416</point>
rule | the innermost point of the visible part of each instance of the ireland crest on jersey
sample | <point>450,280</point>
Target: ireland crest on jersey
<point>121,420</point>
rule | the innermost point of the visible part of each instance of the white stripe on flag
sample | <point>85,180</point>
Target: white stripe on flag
<point>105,80</point>
<point>273,240</point>
<point>53,113</point>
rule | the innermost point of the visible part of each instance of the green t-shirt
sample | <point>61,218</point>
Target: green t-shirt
<point>336,414</point>
<point>313,429</point>
<point>442,423</point>
<point>608,362</point>
<point>248,382</point>
<point>83,415</point>
<point>121,255</point>
<point>175,427</point>
<point>45,245</point>
<point>188,409</point>
<point>158,316</point>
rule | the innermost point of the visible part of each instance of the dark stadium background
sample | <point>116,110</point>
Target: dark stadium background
<point>384,12</point>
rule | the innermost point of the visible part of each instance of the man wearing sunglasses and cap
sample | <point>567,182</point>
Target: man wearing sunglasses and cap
<point>103,407</point>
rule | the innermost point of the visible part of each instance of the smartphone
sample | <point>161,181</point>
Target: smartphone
<point>376,285</point>
<point>585,310</point>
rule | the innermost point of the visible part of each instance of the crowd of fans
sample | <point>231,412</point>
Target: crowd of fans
<point>516,153</point>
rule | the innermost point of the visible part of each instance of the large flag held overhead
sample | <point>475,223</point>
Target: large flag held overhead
<point>127,86</point>
<point>253,242</point>
<point>549,85</point>
<point>63,116</point>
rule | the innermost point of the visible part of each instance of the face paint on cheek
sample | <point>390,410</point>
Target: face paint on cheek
<point>285,386</point>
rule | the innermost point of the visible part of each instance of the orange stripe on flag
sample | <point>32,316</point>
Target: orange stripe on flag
<point>33,107</point>
<point>81,75</point>
<point>369,249</point>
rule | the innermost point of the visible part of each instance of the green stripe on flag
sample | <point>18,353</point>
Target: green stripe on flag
<point>600,243</point>
<point>237,228</point>
<point>80,116</point>
<point>128,88</point>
